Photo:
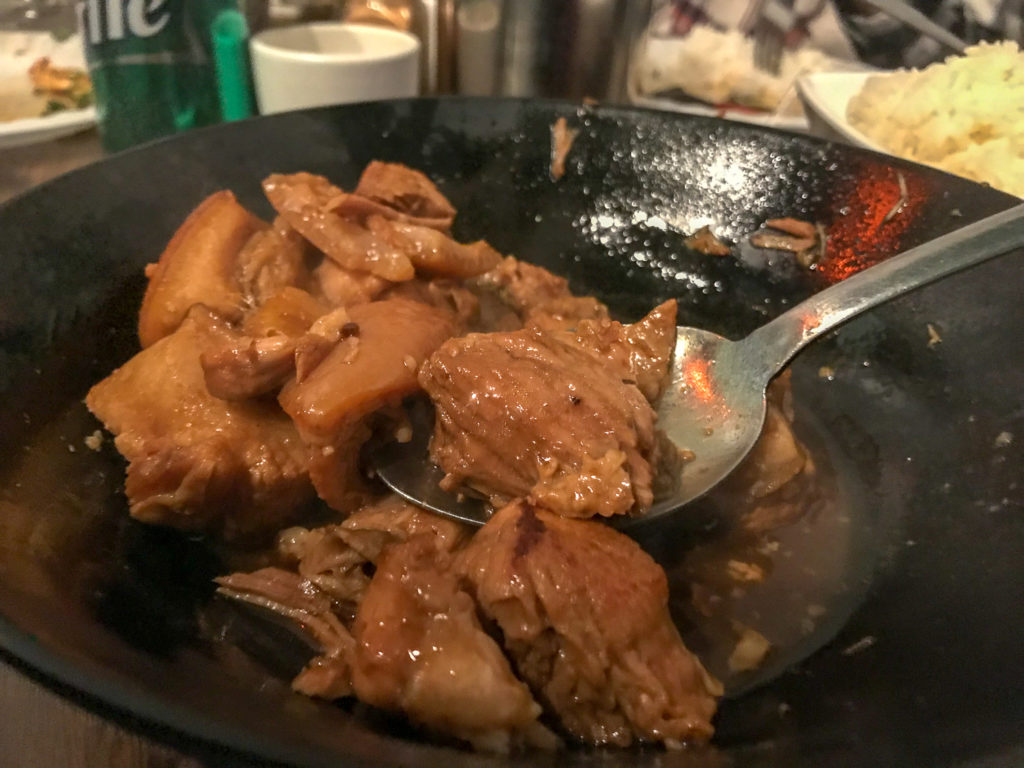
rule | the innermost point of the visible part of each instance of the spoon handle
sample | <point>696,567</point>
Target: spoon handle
<point>788,333</point>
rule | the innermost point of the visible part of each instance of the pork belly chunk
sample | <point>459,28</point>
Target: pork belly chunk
<point>555,416</point>
<point>197,462</point>
<point>372,369</point>
<point>200,265</point>
<point>364,235</point>
<point>583,612</point>
<point>420,649</point>
<point>407,191</point>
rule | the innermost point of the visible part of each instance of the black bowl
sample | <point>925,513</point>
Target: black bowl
<point>921,665</point>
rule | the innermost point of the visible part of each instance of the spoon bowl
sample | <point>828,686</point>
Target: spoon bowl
<point>713,407</point>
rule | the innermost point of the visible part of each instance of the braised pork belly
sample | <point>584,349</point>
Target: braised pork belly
<point>560,417</point>
<point>271,353</point>
<point>196,461</point>
<point>583,613</point>
<point>420,649</point>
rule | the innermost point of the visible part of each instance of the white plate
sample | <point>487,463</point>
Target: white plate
<point>17,52</point>
<point>827,94</point>
<point>17,133</point>
<point>771,119</point>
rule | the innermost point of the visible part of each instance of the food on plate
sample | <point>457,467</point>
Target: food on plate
<point>43,90</point>
<point>41,75</point>
<point>717,67</point>
<point>62,87</point>
<point>965,115</point>
<point>272,351</point>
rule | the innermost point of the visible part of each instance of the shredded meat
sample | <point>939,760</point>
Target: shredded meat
<point>303,200</point>
<point>195,461</point>
<point>346,287</point>
<point>408,192</point>
<point>639,352</point>
<point>333,557</point>
<point>421,650</point>
<point>583,612</point>
<point>329,674</point>
<point>330,579</point>
<point>552,415</point>
<point>273,259</point>
<point>540,298</point>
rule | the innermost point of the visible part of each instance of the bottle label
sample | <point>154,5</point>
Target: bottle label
<point>137,32</point>
<point>113,19</point>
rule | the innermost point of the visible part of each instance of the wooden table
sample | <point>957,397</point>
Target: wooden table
<point>38,728</point>
<point>24,167</point>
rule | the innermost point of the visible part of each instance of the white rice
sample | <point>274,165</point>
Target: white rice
<point>965,116</point>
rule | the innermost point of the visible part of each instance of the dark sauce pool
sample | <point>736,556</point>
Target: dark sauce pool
<point>795,585</point>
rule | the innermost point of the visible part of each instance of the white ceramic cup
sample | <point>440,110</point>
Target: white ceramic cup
<point>314,65</point>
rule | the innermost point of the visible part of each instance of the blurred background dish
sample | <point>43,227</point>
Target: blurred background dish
<point>18,133</point>
<point>788,122</point>
<point>47,106</point>
<point>737,59</point>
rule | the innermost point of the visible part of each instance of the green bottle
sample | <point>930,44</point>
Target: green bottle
<point>152,64</point>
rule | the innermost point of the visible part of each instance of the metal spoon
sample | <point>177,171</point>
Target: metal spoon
<point>714,404</point>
